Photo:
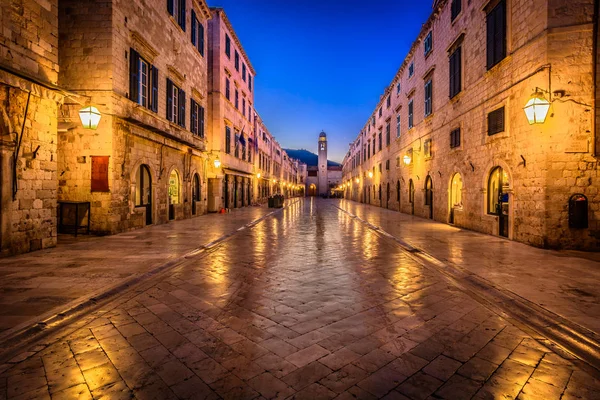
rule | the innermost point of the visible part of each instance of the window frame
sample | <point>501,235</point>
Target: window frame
<point>455,72</point>
<point>455,138</point>
<point>490,123</point>
<point>496,25</point>
<point>411,114</point>
<point>428,43</point>
<point>428,97</point>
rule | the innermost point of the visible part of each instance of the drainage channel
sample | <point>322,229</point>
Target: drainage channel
<point>14,342</point>
<point>549,328</point>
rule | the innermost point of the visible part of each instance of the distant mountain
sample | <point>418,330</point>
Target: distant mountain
<point>309,158</point>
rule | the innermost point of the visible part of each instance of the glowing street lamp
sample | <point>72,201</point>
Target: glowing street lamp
<point>258,175</point>
<point>217,163</point>
<point>407,159</point>
<point>370,174</point>
<point>90,117</point>
<point>357,180</point>
<point>536,108</point>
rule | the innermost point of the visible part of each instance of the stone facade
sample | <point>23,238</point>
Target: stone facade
<point>29,104</point>
<point>156,163</point>
<point>549,45</point>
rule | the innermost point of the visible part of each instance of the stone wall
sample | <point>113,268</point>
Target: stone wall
<point>541,40</point>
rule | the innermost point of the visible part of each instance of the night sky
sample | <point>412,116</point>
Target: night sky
<point>322,64</point>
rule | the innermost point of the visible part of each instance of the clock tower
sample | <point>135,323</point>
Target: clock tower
<point>323,188</point>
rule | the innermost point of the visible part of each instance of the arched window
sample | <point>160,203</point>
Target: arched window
<point>411,191</point>
<point>143,188</point>
<point>174,187</point>
<point>497,186</point>
<point>428,191</point>
<point>196,188</point>
<point>456,191</point>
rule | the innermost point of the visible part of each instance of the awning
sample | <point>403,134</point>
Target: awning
<point>237,172</point>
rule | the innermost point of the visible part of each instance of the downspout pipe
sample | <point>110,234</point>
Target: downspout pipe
<point>596,60</point>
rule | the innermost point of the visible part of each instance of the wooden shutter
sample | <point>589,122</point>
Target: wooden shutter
<point>201,38</point>
<point>170,6</point>
<point>134,61</point>
<point>201,121</point>
<point>181,121</point>
<point>500,37</point>
<point>182,14</point>
<point>193,117</point>
<point>491,28</point>
<point>154,94</point>
<point>194,27</point>
<point>99,174</point>
<point>169,100</point>
<point>496,121</point>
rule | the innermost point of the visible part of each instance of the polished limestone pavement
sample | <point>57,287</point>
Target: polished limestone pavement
<point>311,303</point>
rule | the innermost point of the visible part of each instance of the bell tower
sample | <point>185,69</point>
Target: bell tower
<point>323,188</point>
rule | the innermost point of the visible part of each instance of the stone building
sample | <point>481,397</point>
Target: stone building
<point>29,105</point>
<point>143,66</point>
<point>231,112</point>
<point>449,138</point>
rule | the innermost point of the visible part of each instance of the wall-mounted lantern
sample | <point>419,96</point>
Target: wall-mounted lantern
<point>258,175</point>
<point>217,163</point>
<point>357,180</point>
<point>370,174</point>
<point>90,117</point>
<point>408,157</point>
<point>537,108</point>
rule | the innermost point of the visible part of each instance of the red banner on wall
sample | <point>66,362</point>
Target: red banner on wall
<point>100,173</point>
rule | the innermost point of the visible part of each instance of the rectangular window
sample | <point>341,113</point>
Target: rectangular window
<point>197,33</point>
<point>398,88</point>
<point>410,114</point>
<point>143,81</point>
<point>236,58</point>
<point>237,145</point>
<point>427,148</point>
<point>177,9</point>
<point>397,161</point>
<point>398,125</point>
<point>455,72</point>
<point>237,99</point>
<point>428,98</point>
<point>369,149</point>
<point>249,82</point>
<point>373,120</point>
<point>428,44</point>
<point>496,34</point>
<point>411,69</point>
<point>380,168</point>
<point>227,46</point>
<point>380,142</point>
<point>379,112</point>
<point>197,119</point>
<point>175,104</point>
<point>455,9</point>
<point>244,72</point>
<point>389,102</point>
<point>455,138</point>
<point>227,91</point>
<point>387,134</point>
<point>227,140</point>
<point>496,121</point>
<point>387,165</point>
<point>244,107</point>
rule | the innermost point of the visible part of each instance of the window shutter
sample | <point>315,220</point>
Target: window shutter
<point>182,14</point>
<point>193,117</point>
<point>201,38</point>
<point>201,121</point>
<point>134,61</point>
<point>491,22</point>
<point>170,6</point>
<point>500,39</point>
<point>169,100</point>
<point>154,98</point>
<point>193,27</point>
<point>181,121</point>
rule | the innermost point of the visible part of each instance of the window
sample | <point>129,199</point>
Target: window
<point>427,148</point>
<point>411,191</point>
<point>428,95</point>
<point>379,112</point>
<point>387,134</point>
<point>243,151</point>
<point>398,125</point>
<point>177,9</point>
<point>373,120</point>
<point>496,121</point>
<point>227,140</point>
<point>197,34</point>
<point>380,168</point>
<point>398,88</point>
<point>380,141</point>
<point>227,46</point>
<point>236,60</point>
<point>236,145</point>
<point>249,82</point>
<point>175,104</point>
<point>237,99</point>
<point>428,191</point>
<point>455,138</point>
<point>496,34</point>
<point>455,9</point>
<point>455,72</point>
<point>227,91</point>
<point>197,119</point>
<point>387,165</point>
<point>428,44</point>
<point>410,114</point>
<point>143,81</point>
<point>369,149</point>
<point>411,69</point>
<point>389,102</point>
<point>244,107</point>
<point>397,161</point>
<point>244,72</point>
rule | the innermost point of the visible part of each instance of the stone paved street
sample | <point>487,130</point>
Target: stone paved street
<point>310,303</point>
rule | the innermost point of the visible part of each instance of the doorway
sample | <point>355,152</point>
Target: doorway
<point>195,193</point>
<point>411,196</point>
<point>429,195</point>
<point>455,195</point>
<point>143,192</point>
<point>498,198</point>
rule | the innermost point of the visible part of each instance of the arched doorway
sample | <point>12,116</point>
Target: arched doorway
<point>498,190</point>
<point>387,197</point>
<point>411,196</point>
<point>143,191</point>
<point>398,193</point>
<point>173,192</point>
<point>195,192</point>
<point>429,195</point>
<point>456,185</point>
<point>312,190</point>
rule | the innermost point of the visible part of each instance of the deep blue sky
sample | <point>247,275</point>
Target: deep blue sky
<point>322,64</point>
